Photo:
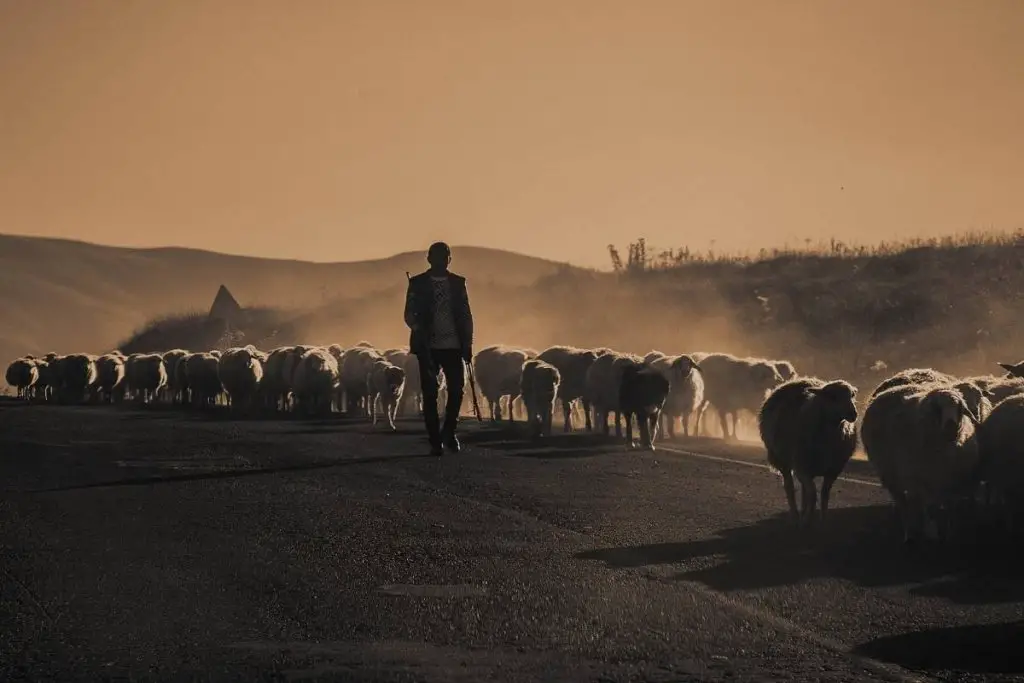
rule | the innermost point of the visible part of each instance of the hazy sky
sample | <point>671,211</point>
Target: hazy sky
<point>341,130</point>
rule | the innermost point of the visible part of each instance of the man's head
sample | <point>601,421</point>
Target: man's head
<point>439,256</point>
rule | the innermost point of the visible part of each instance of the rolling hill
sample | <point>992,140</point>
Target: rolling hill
<point>65,295</point>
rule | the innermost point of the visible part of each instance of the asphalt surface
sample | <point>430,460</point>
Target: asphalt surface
<point>158,545</point>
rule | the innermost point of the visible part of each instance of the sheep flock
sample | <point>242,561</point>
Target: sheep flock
<point>947,449</point>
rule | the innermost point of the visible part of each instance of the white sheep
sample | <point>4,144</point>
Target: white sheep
<point>733,384</point>
<point>385,385</point>
<point>808,429</point>
<point>921,441</point>
<point>273,387</point>
<point>149,376</point>
<point>172,359</point>
<point>315,381</point>
<point>539,386</point>
<point>498,371</point>
<point>240,372</point>
<point>110,377</point>
<point>22,374</point>
<point>355,370</point>
<point>572,364</point>
<point>686,389</point>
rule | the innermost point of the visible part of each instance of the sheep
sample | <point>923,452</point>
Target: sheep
<point>602,387</point>
<point>172,359</point>
<point>364,345</point>
<point>572,364</point>
<point>203,378</point>
<point>921,441</point>
<point>149,376</point>
<point>1012,369</point>
<point>77,376</point>
<point>47,384</point>
<point>539,385</point>
<point>913,376</point>
<point>808,429</point>
<point>385,383</point>
<point>273,387</point>
<point>686,389</point>
<point>315,380</point>
<point>976,398</point>
<point>653,356</point>
<point>110,377</point>
<point>240,372</point>
<point>1001,451</point>
<point>355,370</point>
<point>22,374</point>
<point>998,389</point>
<point>642,393</point>
<point>499,370</point>
<point>732,384</point>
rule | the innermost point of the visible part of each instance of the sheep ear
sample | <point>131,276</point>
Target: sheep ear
<point>1009,367</point>
<point>970,414</point>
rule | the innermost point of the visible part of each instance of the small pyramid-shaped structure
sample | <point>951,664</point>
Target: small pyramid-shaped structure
<point>224,305</point>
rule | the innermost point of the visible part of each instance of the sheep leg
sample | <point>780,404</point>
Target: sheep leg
<point>809,495</point>
<point>724,422</point>
<point>787,483</point>
<point>644,423</point>
<point>655,420</point>
<point>567,414</point>
<point>629,431</point>
<point>700,416</point>
<point>826,491</point>
<point>618,424</point>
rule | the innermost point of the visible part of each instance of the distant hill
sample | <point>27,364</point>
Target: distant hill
<point>65,295</point>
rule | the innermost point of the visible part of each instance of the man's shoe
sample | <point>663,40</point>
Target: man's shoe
<point>436,450</point>
<point>452,443</point>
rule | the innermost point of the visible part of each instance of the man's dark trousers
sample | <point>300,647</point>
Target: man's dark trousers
<point>450,362</point>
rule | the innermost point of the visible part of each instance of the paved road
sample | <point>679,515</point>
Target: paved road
<point>154,545</point>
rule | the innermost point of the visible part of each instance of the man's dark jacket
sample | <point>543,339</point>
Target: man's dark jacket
<point>419,311</point>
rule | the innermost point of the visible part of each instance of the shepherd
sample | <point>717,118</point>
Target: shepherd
<point>440,321</point>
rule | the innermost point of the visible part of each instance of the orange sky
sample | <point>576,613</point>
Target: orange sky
<point>341,130</point>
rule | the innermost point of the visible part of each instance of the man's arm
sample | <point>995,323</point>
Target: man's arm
<point>410,307</point>
<point>467,312</point>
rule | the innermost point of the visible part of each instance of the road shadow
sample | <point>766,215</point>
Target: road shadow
<point>985,649</point>
<point>860,544</point>
<point>518,436</point>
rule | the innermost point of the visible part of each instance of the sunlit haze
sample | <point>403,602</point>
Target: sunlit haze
<point>341,130</point>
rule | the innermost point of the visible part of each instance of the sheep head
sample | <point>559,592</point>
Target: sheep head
<point>978,401</point>
<point>785,369</point>
<point>682,366</point>
<point>766,375</point>
<point>943,410</point>
<point>1013,369</point>
<point>394,376</point>
<point>839,400</point>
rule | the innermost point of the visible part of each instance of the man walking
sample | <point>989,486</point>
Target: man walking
<point>441,322</point>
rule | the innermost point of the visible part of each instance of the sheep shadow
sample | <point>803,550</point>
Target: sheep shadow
<point>860,544</point>
<point>981,649</point>
<point>517,439</point>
